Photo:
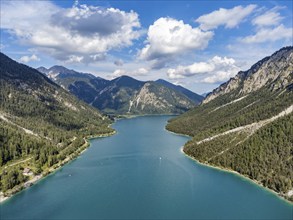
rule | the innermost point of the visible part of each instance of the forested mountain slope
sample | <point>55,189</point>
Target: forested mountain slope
<point>124,95</point>
<point>246,124</point>
<point>40,122</point>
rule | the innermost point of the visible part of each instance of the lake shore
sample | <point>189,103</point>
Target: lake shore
<point>54,168</point>
<point>281,196</point>
<point>120,117</point>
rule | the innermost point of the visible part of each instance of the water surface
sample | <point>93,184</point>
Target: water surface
<point>141,173</point>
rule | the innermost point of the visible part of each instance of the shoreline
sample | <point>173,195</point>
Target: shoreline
<point>178,134</point>
<point>54,168</point>
<point>121,117</point>
<point>223,169</point>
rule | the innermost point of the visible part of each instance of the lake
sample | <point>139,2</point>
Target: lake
<point>141,173</point>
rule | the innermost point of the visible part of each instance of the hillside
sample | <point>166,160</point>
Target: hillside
<point>41,124</point>
<point>125,95</point>
<point>246,124</point>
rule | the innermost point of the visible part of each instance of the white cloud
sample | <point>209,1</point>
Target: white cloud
<point>26,59</point>
<point>137,72</point>
<point>219,76</point>
<point>230,18</point>
<point>168,37</point>
<point>117,73</point>
<point>217,69</point>
<point>191,70</point>
<point>269,35</point>
<point>74,59</point>
<point>84,32</point>
<point>268,28</point>
<point>142,71</point>
<point>269,18</point>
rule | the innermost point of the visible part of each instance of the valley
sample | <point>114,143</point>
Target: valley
<point>146,110</point>
<point>43,126</point>
<point>227,127</point>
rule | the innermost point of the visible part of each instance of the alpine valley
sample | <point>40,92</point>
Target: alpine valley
<point>43,126</point>
<point>246,124</point>
<point>146,110</point>
<point>124,95</point>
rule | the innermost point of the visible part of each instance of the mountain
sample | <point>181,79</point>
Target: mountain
<point>64,76</point>
<point>124,95</point>
<point>191,95</point>
<point>41,125</point>
<point>246,124</point>
<point>265,72</point>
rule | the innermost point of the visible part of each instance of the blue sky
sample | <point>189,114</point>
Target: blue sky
<point>198,44</point>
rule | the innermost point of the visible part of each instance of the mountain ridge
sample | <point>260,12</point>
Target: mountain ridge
<point>117,96</point>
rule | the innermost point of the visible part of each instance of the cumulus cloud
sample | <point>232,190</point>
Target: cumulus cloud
<point>168,37</point>
<point>269,35</point>
<point>269,18</point>
<point>117,73</point>
<point>26,59</point>
<point>229,18</point>
<point>217,69</point>
<point>268,28</point>
<point>82,33</point>
<point>138,72</point>
<point>74,59</point>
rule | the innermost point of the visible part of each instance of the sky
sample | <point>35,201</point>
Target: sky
<point>196,44</point>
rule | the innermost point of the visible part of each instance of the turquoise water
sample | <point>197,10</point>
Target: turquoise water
<point>141,173</point>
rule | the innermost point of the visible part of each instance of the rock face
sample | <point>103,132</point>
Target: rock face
<point>124,95</point>
<point>153,98</point>
<point>275,70</point>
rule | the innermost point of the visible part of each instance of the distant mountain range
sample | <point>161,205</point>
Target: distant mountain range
<point>246,124</point>
<point>40,123</point>
<point>124,95</point>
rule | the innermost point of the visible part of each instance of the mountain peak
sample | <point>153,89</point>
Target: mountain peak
<point>56,72</point>
<point>124,77</point>
<point>61,69</point>
<point>127,81</point>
